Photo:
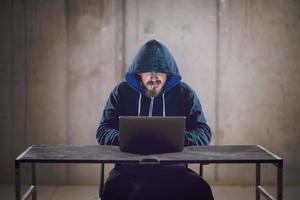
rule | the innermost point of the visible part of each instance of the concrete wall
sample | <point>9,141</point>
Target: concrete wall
<point>258,83</point>
<point>58,65</point>
<point>60,59</point>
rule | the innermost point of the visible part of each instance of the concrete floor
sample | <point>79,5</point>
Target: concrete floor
<point>91,192</point>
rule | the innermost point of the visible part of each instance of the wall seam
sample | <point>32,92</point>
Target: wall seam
<point>67,85</point>
<point>12,95</point>
<point>217,89</point>
<point>123,38</point>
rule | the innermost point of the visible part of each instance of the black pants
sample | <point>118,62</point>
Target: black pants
<point>155,183</point>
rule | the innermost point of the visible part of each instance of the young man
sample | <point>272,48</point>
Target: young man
<point>153,87</point>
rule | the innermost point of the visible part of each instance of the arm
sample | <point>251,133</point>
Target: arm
<point>197,130</point>
<point>108,130</point>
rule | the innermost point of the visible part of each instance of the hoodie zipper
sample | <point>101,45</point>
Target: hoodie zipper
<point>151,107</point>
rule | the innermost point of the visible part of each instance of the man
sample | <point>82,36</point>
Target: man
<point>153,87</point>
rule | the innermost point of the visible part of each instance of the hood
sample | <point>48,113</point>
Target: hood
<point>153,56</point>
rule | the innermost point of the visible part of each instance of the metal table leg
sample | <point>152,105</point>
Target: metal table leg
<point>279,181</point>
<point>32,188</point>
<point>261,191</point>
<point>101,180</point>
<point>17,180</point>
<point>257,184</point>
<point>33,180</point>
<point>201,170</point>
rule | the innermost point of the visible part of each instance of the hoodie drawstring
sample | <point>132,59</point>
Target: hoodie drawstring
<point>164,105</point>
<point>139,108</point>
<point>151,105</point>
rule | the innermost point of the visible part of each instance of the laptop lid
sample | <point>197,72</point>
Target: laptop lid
<point>150,135</point>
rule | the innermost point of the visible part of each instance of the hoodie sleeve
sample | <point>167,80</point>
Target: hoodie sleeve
<point>107,132</point>
<point>197,130</point>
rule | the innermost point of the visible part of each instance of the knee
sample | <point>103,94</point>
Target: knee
<point>112,187</point>
<point>198,186</point>
<point>204,190</point>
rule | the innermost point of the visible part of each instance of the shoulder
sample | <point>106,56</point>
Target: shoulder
<point>122,89</point>
<point>185,89</point>
<point>122,86</point>
<point>187,93</point>
<point>185,86</point>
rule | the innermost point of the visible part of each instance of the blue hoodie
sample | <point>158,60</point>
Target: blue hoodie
<point>176,99</point>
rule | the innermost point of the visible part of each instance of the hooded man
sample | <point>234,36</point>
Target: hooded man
<point>153,87</point>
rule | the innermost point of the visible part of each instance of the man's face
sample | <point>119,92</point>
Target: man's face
<point>153,82</point>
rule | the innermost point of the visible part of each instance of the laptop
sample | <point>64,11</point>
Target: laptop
<point>151,135</point>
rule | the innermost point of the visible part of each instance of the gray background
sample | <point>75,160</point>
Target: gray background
<point>59,60</point>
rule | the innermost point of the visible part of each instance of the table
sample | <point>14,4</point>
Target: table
<point>96,154</point>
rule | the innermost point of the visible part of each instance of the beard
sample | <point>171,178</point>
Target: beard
<point>153,87</point>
